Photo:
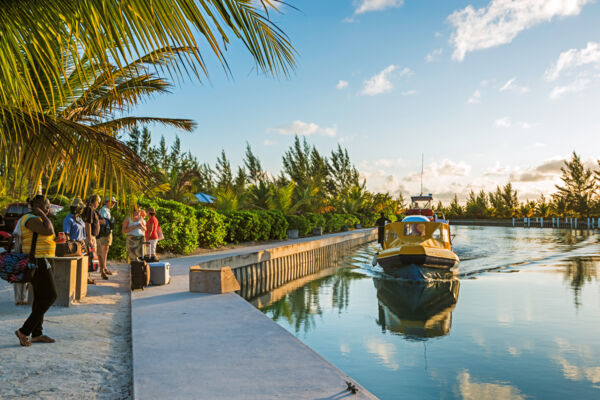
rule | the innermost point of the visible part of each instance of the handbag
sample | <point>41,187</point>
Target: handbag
<point>159,233</point>
<point>19,267</point>
<point>70,248</point>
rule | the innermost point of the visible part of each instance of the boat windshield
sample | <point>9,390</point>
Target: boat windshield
<point>414,230</point>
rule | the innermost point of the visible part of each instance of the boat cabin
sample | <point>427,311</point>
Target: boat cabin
<point>417,229</point>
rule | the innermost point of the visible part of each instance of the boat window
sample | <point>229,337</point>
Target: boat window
<point>437,234</point>
<point>414,230</point>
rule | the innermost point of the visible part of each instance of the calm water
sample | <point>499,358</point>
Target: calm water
<point>523,320</point>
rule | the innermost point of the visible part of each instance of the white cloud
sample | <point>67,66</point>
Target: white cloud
<point>514,87</point>
<point>341,84</point>
<point>431,57</point>
<point>305,129</point>
<point>364,6</point>
<point>502,20</point>
<point>268,142</point>
<point>409,93</point>
<point>576,86</point>
<point>381,82</point>
<point>437,35</point>
<point>503,122</point>
<point>475,98</point>
<point>574,58</point>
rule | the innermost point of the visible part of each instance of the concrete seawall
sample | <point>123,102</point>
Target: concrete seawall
<point>260,271</point>
<point>197,346</point>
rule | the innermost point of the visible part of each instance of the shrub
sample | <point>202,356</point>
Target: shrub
<point>61,200</point>
<point>279,225</point>
<point>264,225</point>
<point>299,222</point>
<point>243,226</point>
<point>178,223</point>
<point>350,220</point>
<point>58,219</point>
<point>333,222</point>
<point>316,220</point>
<point>367,219</point>
<point>212,228</point>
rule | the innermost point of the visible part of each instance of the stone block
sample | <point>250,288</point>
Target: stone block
<point>65,277</point>
<point>214,281</point>
<point>81,278</point>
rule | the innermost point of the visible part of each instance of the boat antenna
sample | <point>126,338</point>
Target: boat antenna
<point>422,158</point>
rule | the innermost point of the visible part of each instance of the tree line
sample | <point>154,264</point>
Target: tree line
<point>577,196</point>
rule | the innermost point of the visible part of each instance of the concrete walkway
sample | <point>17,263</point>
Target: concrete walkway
<point>195,346</point>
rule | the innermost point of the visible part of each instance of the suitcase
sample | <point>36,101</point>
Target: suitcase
<point>140,274</point>
<point>160,273</point>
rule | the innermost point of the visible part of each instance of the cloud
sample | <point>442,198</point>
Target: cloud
<point>548,170</point>
<point>506,122</point>
<point>363,6</point>
<point>437,35</point>
<point>305,129</point>
<point>471,390</point>
<point>475,97</point>
<point>443,168</point>
<point>574,58</point>
<point>381,82</point>
<point>503,122</point>
<point>268,142</point>
<point>513,87</point>
<point>577,85</point>
<point>431,57</point>
<point>409,93</point>
<point>502,20</point>
<point>341,84</point>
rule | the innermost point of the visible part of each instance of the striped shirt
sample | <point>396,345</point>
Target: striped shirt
<point>45,246</point>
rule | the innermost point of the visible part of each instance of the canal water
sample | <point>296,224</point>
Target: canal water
<point>522,321</point>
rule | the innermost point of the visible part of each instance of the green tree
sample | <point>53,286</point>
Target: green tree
<point>224,174</point>
<point>343,175</point>
<point>477,205</point>
<point>579,187</point>
<point>253,166</point>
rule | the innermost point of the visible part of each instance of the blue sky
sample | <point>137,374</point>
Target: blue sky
<point>488,90</point>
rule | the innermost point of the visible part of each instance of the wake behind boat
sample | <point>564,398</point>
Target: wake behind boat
<point>419,248</point>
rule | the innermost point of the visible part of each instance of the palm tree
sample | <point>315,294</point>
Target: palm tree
<point>35,136</point>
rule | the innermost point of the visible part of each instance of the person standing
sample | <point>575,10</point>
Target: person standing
<point>381,221</point>
<point>73,225</point>
<point>44,288</point>
<point>105,238</point>
<point>134,228</point>
<point>92,228</point>
<point>152,234</point>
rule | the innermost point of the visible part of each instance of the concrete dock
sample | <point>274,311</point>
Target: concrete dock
<point>197,346</point>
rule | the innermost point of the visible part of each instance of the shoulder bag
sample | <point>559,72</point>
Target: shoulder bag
<point>19,267</point>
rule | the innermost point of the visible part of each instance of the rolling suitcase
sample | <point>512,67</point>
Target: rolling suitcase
<point>160,273</point>
<point>140,274</point>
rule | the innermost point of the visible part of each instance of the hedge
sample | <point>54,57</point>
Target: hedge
<point>185,228</point>
<point>212,227</point>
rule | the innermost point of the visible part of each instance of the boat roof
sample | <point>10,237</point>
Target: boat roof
<point>422,197</point>
<point>416,218</point>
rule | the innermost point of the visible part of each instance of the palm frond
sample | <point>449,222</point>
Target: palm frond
<point>131,122</point>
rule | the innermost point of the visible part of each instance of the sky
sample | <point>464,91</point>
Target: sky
<point>487,90</point>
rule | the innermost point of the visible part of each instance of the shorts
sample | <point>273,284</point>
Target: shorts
<point>105,240</point>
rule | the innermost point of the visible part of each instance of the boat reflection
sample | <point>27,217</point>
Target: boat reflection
<point>416,310</point>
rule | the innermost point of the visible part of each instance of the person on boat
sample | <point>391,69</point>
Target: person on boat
<point>44,288</point>
<point>381,221</point>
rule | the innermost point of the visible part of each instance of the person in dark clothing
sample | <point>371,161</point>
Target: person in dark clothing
<point>44,289</point>
<point>381,221</point>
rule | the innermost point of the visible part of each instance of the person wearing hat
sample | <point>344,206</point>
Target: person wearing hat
<point>105,236</point>
<point>152,234</point>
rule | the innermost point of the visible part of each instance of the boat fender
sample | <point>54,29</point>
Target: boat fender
<point>374,262</point>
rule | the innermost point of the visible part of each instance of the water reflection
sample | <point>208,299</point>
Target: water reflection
<point>416,310</point>
<point>301,305</point>
<point>578,272</point>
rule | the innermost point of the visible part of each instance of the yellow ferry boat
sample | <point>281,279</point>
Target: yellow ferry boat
<point>420,246</point>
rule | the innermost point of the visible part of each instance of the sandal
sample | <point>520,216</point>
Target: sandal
<point>91,281</point>
<point>104,276</point>
<point>108,272</point>
<point>42,339</point>
<point>23,339</point>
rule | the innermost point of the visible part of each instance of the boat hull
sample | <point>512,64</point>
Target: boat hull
<point>420,267</point>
